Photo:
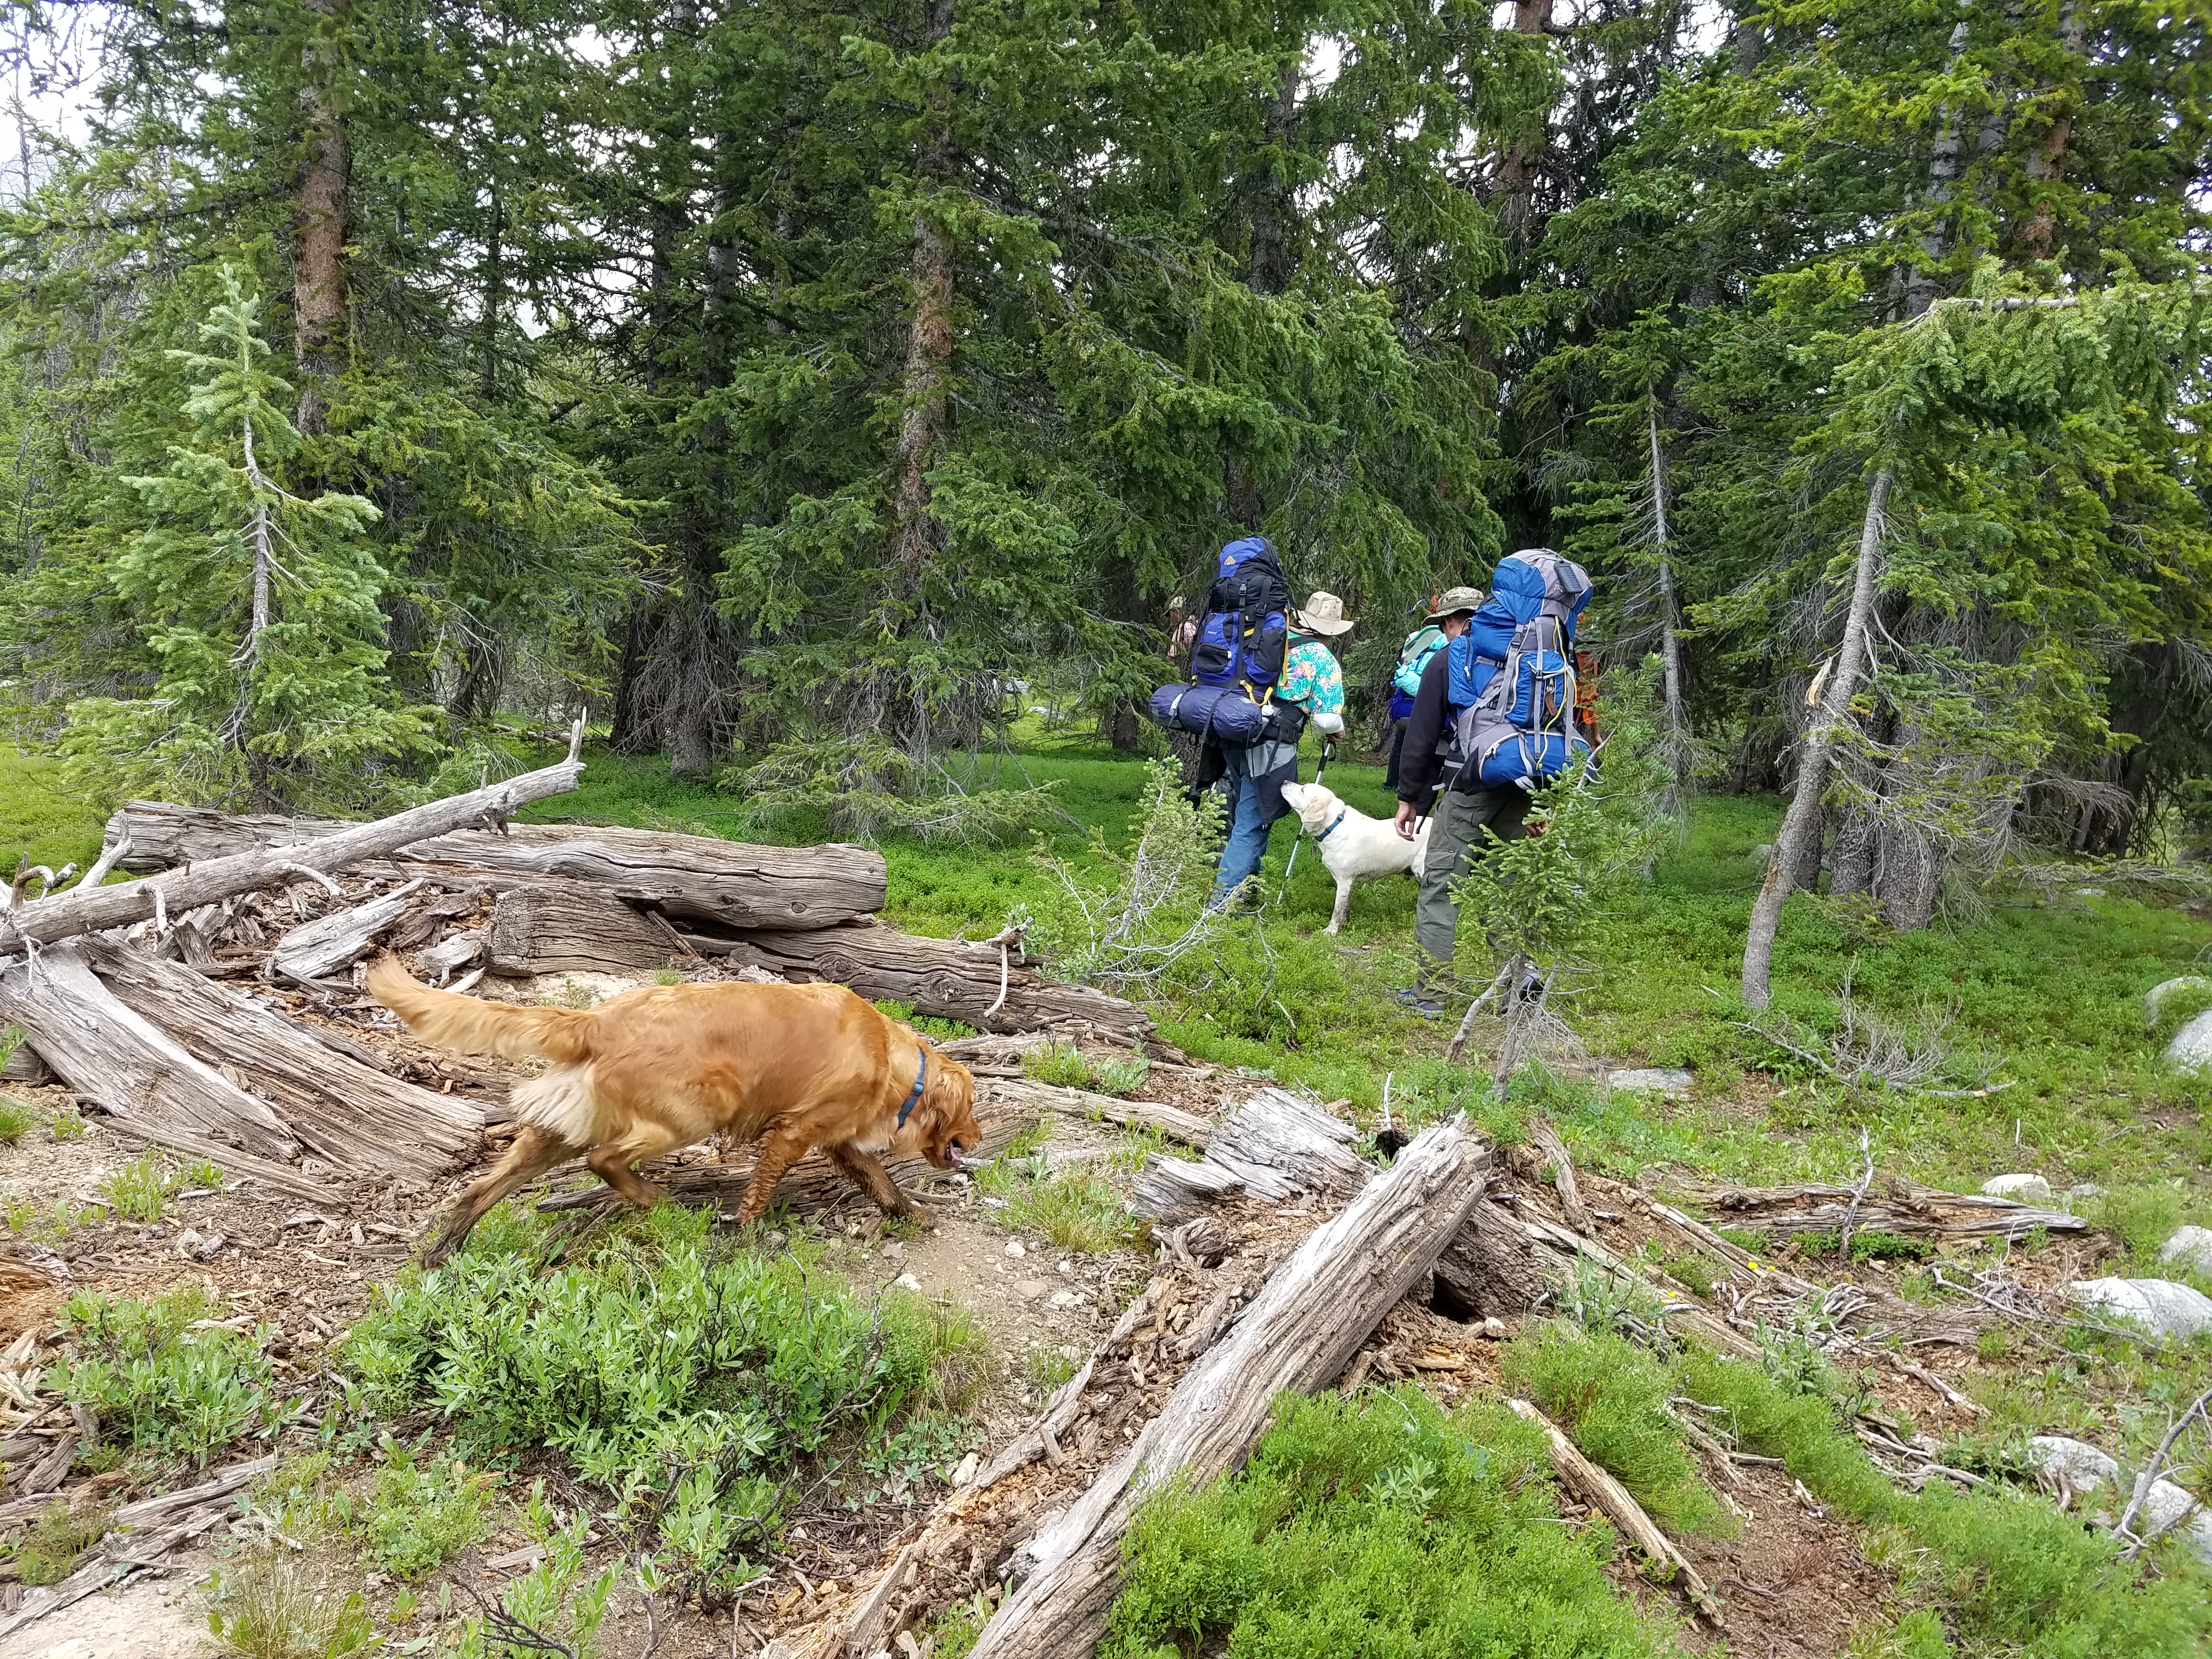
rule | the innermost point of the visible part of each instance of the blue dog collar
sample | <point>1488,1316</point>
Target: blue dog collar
<point>1331,830</point>
<point>921,1073</point>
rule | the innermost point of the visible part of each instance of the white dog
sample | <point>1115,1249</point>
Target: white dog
<point>1352,844</point>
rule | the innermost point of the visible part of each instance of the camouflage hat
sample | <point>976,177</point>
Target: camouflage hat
<point>1456,602</point>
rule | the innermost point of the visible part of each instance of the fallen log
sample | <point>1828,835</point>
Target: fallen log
<point>1316,1311</point>
<point>1275,1147</point>
<point>1602,1492</point>
<point>352,1116</point>
<point>946,979</point>
<point>568,927</point>
<point>1906,1210</point>
<point>90,911</point>
<point>1169,1120</point>
<point>338,941</point>
<point>135,1071</point>
<point>1492,1269</point>
<point>700,878</point>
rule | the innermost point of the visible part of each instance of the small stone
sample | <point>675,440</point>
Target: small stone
<point>1014,1248</point>
<point>2191,1050</point>
<point>966,1472</point>
<point>778,1239</point>
<point>2189,1248</point>
<point>2173,990</point>
<point>908,1282</point>
<point>894,1251</point>
<point>1762,854</point>
<point>1065,1298</point>
<point>1067,1266</point>
<point>1030,1289</point>
<point>2085,1189</point>
<point>2089,892</point>
<point>2169,1308</point>
<point>1491,1329</point>
<point>1670,1081</point>
<point>2021,1188</point>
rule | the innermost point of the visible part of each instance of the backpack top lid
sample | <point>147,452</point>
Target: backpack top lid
<point>1241,551</point>
<point>1523,581</point>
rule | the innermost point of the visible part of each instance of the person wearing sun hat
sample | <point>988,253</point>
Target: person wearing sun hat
<point>1447,617</point>
<point>1312,685</point>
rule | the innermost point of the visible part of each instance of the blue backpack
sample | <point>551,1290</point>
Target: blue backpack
<point>1246,631</point>
<point>1511,674</point>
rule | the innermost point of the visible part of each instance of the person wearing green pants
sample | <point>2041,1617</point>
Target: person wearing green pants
<point>1459,814</point>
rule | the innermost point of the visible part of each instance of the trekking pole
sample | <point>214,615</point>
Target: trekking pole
<point>1327,750</point>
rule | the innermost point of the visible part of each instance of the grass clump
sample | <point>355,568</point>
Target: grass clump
<point>141,1189</point>
<point>172,1389</point>
<point>1076,1212</point>
<point>266,1607</point>
<point>928,1025</point>
<point>685,1378</point>
<point>1064,1064</point>
<point>1611,1397</point>
<point>16,1120</point>
<point>421,1515</point>
<point>48,1551</point>
<point>1377,1524</point>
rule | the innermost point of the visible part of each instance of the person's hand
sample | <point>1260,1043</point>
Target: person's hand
<point>1404,821</point>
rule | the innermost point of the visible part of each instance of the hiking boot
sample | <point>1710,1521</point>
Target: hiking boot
<point>1427,1004</point>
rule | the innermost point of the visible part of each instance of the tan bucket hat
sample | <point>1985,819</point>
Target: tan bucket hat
<point>1324,615</point>
<point>1456,602</point>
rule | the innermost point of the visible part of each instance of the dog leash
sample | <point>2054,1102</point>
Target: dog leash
<point>921,1071</point>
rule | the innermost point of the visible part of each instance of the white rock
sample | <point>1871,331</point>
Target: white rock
<point>2083,1469</point>
<point>908,1282</point>
<point>2189,1246</point>
<point>894,1251</point>
<point>1670,1081</point>
<point>2089,892</point>
<point>2085,1189</point>
<point>966,1472</point>
<point>2192,1047</point>
<point>1065,1298</point>
<point>2166,991</point>
<point>1067,1266</point>
<point>2169,1308</point>
<point>1014,1248</point>
<point>2021,1188</point>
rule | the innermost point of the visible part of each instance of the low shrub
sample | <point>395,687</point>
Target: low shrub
<point>421,1515</point>
<point>686,1377</point>
<point>140,1190</point>
<point>1076,1212</point>
<point>47,1552</point>
<point>168,1387</point>
<point>1610,1398</point>
<point>1376,1525</point>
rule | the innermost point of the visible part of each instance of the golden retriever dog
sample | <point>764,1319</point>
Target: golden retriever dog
<point>793,1067</point>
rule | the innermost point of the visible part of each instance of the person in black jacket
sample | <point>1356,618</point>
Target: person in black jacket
<point>1460,808</point>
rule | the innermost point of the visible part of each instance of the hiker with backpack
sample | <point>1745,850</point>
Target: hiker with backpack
<point>1423,643</point>
<point>1493,719</point>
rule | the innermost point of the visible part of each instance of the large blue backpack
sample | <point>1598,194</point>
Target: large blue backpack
<point>1511,674</point>
<point>1246,631</point>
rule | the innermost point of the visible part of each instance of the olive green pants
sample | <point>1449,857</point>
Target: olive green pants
<point>1455,842</point>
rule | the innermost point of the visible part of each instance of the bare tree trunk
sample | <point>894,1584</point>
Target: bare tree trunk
<point>320,229</point>
<point>1520,168</point>
<point>2046,163</point>
<point>1802,824</point>
<point>928,364</point>
<point>1670,645</point>
<point>1943,164</point>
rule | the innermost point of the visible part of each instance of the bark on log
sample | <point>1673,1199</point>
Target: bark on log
<point>1168,1190</point>
<point>568,927</point>
<point>1493,1270</point>
<point>943,978</point>
<point>1910,1213</point>
<point>1274,1147</point>
<point>350,1116</point>
<point>1172,1121</point>
<point>80,910</point>
<point>1601,1492</point>
<point>1316,1311</point>
<point>135,1071</point>
<point>698,878</point>
<point>329,943</point>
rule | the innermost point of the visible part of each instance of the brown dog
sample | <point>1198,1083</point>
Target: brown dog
<point>793,1067</point>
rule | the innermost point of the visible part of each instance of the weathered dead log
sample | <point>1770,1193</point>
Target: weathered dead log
<point>82,910</point>
<point>1274,1147</point>
<point>568,927</point>
<point>1546,1141</point>
<point>1316,1311</point>
<point>725,883</point>
<point>338,941</point>
<point>452,954</point>
<point>264,1173</point>
<point>1169,1190</point>
<point>1171,1121</point>
<point>946,979</point>
<point>813,1182</point>
<point>24,1065</point>
<point>115,1057</point>
<point>352,1116</point>
<point>1602,1492</point>
<point>1492,1269</point>
<point>1906,1210</point>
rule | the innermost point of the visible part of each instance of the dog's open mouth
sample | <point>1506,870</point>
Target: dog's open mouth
<point>952,1156</point>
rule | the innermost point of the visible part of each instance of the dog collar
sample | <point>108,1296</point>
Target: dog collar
<point>920,1072</point>
<point>1332,823</point>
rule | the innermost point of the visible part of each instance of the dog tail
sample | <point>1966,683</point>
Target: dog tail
<point>468,1026</point>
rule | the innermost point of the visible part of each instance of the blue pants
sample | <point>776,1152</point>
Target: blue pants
<point>1254,779</point>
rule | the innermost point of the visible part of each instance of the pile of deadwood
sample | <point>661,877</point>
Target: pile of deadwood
<point>1289,1259</point>
<point>210,1008</point>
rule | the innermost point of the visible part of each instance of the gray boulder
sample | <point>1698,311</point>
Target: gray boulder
<point>2191,1050</point>
<point>2172,990</point>
<point>2021,1188</point>
<point>2189,1248</point>
<point>1667,1080</point>
<point>2169,1308</point>
<point>2080,1468</point>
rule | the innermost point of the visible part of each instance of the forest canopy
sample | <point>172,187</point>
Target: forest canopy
<point>785,384</point>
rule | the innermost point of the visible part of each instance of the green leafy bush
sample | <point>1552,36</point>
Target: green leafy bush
<point>1611,1397</point>
<point>422,1515</point>
<point>1376,1524</point>
<point>686,1379</point>
<point>170,1388</point>
<point>140,1190</point>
